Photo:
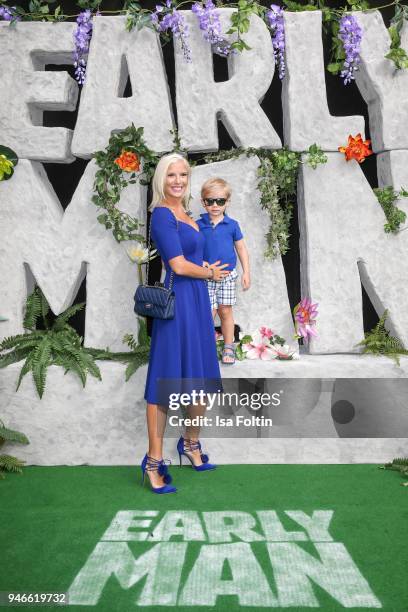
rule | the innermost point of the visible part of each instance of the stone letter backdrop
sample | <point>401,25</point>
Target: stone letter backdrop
<point>342,242</point>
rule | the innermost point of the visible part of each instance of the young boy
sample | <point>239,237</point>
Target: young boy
<point>223,239</point>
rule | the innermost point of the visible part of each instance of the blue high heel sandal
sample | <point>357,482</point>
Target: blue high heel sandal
<point>150,464</point>
<point>192,445</point>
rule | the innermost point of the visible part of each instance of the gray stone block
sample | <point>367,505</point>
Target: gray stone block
<point>26,90</point>
<point>306,117</point>
<point>60,248</point>
<point>343,244</point>
<point>101,424</point>
<point>113,54</point>
<point>382,86</point>
<point>200,100</point>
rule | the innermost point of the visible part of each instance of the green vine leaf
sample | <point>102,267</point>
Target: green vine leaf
<point>8,161</point>
<point>315,156</point>
<point>335,67</point>
<point>111,179</point>
<point>240,22</point>
<point>358,5</point>
<point>387,197</point>
<point>397,54</point>
<point>399,57</point>
<point>296,6</point>
<point>89,4</point>
<point>277,182</point>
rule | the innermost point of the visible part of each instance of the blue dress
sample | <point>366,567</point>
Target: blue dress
<point>183,355</point>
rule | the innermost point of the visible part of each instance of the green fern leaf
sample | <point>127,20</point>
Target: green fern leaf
<point>26,368</point>
<point>400,461</point>
<point>87,363</point>
<point>73,355</point>
<point>10,435</point>
<point>130,341</point>
<point>33,310</point>
<point>41,361</point>
<point>70,364</point>
<point>73,351</point>
<point>58,342</point>
<point>11,464</point>
<point>137,361</point>
<point>69,335</point>
<point>13,357</point>
<point>66,315</point>
<point>131,369</point>
<point>101,354</point>
<point>379,342</point>
<point>67,341</point>
<point>142,336</point>
<point>16,341</point>
<point>90,364</point>
<point>44,309</point>
<point>31,340</point>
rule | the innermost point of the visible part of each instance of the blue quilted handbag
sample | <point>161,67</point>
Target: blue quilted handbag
<point>155,300</point>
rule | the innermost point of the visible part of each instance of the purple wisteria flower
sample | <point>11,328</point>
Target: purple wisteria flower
<point>211,25</point>
<point>167,17</point>
<point>82,37</point>
<point>276,23</point>
<point>8,14</point>
<point>350,34</point>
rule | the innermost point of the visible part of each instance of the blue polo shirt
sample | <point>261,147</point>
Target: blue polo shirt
<point>219,239</point>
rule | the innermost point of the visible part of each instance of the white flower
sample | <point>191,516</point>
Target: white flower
<point>140,254</point>
<point>283,352</point>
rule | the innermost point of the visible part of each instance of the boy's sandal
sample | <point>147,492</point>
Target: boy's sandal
<point>228,351</point>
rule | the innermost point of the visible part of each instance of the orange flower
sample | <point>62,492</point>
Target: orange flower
<point>129,162</point>
<point>356,148</point>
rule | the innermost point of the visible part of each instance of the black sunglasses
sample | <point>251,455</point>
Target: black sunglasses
<point>212,201</point>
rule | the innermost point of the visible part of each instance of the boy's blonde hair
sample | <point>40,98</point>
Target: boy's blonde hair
<point>160,176</point>
<point>216,182</point>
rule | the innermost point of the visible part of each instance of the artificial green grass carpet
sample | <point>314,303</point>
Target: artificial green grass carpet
<point>244,537</point>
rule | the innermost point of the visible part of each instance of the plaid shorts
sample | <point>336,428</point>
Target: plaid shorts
<point>223,292</point>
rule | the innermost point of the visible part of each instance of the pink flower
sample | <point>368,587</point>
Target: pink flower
<point>258,351</point>
<point>305,313</point>
<point>266,332</point>
<point>258,348</point>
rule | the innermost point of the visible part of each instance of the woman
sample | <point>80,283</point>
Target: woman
<point>183,349</point>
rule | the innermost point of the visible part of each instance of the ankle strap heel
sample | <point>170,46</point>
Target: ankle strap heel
<point>150,464</point>
<point>186,447</point>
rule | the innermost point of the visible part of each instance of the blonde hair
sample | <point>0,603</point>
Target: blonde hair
<point>216,182</point>
<point>160,176</point>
